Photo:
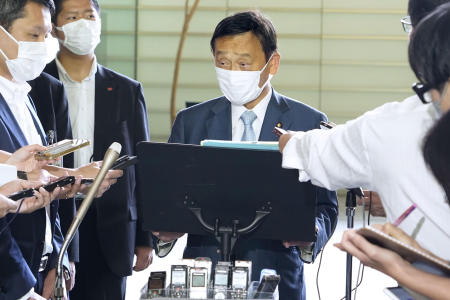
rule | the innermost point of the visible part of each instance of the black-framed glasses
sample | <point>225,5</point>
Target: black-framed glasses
<point>406,24</point>
<point>422,92</point>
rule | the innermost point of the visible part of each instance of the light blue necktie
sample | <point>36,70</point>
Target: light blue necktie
<point>248,117</point>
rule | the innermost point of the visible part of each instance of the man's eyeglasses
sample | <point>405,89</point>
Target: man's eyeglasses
<point>406,23</point>
<point>422,92</point>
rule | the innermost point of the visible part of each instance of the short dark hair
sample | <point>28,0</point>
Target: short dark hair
<point>429,48</point>
<point>436,152</point>
<point>419,9</point>
<point>59,3</point>
<point>11,10</point>
<point>246,21</point>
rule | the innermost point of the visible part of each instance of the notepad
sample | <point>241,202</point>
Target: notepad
<point>271,146</point>
<point>404,250</point>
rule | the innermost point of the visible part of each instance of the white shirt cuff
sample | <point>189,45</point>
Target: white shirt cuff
<point>292,158</point>
<point>7,173</point>
<point>27,295</point>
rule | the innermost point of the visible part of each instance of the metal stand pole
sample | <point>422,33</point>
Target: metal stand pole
<point>350,204</point>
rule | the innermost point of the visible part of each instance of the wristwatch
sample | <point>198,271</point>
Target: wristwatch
<point>307,253</point>
<point>164,248</point>
<point>22,175</point>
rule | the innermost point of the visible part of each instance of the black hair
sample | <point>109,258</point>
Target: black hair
<point>429,48</point>
<point>11,10</point>
<point>246,21</point>
<point>436,152</point>
<point>59,3</point>
<point>419,9</point>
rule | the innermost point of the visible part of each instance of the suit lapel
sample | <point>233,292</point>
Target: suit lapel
<point>36,121</point>
<point>52,69</point>
<point>277,114</point>
<point>10,122</point>
<point>218,126</point>
<point>105,99</point>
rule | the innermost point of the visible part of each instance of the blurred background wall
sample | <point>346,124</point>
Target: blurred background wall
<point>341,57</point>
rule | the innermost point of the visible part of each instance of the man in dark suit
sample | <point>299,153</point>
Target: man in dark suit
<point>51,104</point>
<point>38,234</point>
<point>104,106</point>
<point>245,51</point>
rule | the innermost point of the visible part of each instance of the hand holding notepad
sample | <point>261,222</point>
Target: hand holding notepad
<point>365,244</point>
<point>412,252</point>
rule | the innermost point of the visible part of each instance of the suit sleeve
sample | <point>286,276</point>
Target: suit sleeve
<point>67,208</point>
<point>141,129</point>
<point>16,279</point>
<point>177,133</point>
<point>58,240</point>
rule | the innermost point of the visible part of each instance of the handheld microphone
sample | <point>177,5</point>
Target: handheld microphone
<point>110,157</point>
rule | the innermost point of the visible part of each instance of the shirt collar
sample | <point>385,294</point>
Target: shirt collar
<point>259,109</point>
<point>66,75</point>
<point>9,89</point>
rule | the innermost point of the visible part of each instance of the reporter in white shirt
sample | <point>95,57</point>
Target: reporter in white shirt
<point>381,150</point>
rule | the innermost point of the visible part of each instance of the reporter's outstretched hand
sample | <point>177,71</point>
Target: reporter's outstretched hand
<point>371,255</point>
<point>7,206</point>
<point>24,159</point>
<point>91,170</point>
<point>40,199</point>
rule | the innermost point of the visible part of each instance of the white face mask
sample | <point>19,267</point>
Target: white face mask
<point>241,87</point>
<point>82,36</point>
<point>30,61</point>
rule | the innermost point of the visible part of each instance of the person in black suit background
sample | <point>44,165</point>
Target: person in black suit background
<point>51,104</point>
<point>104,107</point>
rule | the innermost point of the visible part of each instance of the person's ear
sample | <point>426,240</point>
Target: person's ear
<point>54,30</point>
<point>274,63</point>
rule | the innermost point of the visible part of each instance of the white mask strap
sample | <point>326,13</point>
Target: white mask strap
<point>267,63</point>
<point>9,34</point>
<point>3,54</point>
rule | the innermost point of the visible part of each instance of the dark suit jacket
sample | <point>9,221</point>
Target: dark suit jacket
<point>120,116</point>
<point>14,269</point>
<point>50,99</point>
<point>27,230</point>
<point>212,120</point>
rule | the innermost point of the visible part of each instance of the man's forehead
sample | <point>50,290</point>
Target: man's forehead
<point>36,17</point>
<point>69,6</point>
<point>245,43</point>
<point>235,53</point>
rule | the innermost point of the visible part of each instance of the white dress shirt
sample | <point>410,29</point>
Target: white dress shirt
<point>237,124</point>
<point>81,97</point>
<point>16,96</point>
<point>7,173</point>
<point>380,151</point>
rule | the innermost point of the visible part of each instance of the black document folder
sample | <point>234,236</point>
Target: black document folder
<point>227,185</point>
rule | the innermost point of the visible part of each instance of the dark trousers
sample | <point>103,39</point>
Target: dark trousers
<point>94,279</point>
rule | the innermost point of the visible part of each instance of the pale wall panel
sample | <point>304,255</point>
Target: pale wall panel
<point>367,4</point>
<point>203,73</point>
<point>352,104</point>
<point>118,19</point>
<point>166,47</point>
<point>362,24</point>
<point>394,51</point>
<point>363,52</point>
<point>375,77</point>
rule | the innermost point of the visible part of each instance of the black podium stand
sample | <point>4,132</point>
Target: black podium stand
<point>228,193</point>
